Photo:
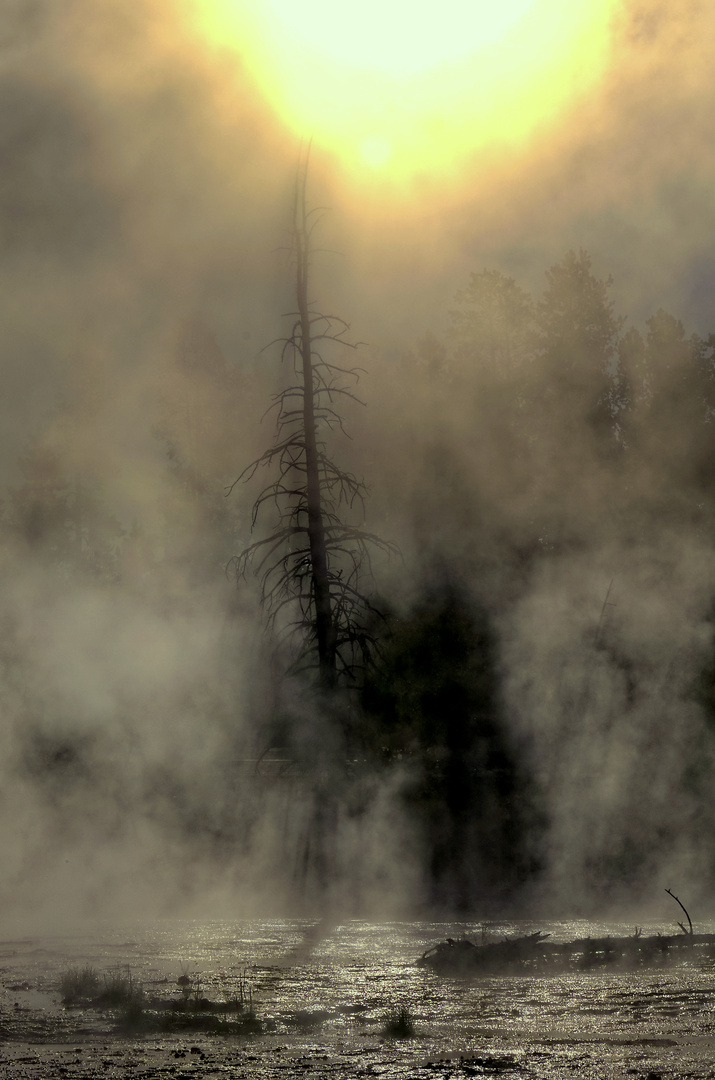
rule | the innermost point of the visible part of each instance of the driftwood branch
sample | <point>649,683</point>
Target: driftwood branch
<point>536,954</point>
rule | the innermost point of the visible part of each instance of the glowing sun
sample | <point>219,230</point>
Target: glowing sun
<point>407,87</point>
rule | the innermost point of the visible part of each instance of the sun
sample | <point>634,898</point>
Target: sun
<point>401,87</point>
<point>399,38</point>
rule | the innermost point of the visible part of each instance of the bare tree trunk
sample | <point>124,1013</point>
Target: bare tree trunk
<point>310,563</point>
<point>324,624</point>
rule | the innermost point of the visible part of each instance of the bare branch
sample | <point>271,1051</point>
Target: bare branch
<point>690,931</point>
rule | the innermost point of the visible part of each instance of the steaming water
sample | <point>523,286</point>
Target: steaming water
<point>326,987</point>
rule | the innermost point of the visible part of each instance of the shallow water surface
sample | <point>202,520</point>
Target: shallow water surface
<point>323,991</point>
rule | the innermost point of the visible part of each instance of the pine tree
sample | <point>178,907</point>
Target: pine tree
<point>577,342</point>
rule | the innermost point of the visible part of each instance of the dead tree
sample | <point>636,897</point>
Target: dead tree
<point>311,563</point>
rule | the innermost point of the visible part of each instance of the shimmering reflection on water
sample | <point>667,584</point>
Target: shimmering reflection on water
<point>334,983</point>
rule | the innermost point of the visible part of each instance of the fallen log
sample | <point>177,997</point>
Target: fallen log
<point>535,953</point>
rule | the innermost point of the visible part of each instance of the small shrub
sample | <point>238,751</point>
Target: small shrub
<point>137,1013</point>
<point>79,984</point>
<point>399,1023</point>
<point>120,992</point>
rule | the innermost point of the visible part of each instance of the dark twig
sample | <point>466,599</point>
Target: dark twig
<point>606,604</point>
<point>690,924</point>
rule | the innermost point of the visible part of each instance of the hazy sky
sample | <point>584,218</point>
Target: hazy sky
<point>145,172</point>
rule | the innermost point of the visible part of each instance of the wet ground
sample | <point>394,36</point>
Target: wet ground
<point>323,993</point>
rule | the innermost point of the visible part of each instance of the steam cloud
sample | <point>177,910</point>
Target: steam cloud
<point>145,193</point>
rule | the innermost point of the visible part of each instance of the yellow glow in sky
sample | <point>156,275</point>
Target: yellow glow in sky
<point>404,88</point>
<point>399,37</point>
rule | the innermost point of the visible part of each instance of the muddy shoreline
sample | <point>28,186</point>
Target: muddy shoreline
<point>322,1001</point>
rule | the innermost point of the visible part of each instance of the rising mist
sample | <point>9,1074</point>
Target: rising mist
<point>540,736</point>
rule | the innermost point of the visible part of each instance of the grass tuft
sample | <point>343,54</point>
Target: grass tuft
<point>120,992</point>
<point>399,1023</point>
<point>110,991</point>
<point>79,984</point>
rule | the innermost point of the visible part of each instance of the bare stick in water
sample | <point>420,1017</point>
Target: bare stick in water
<point>690,924</point>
